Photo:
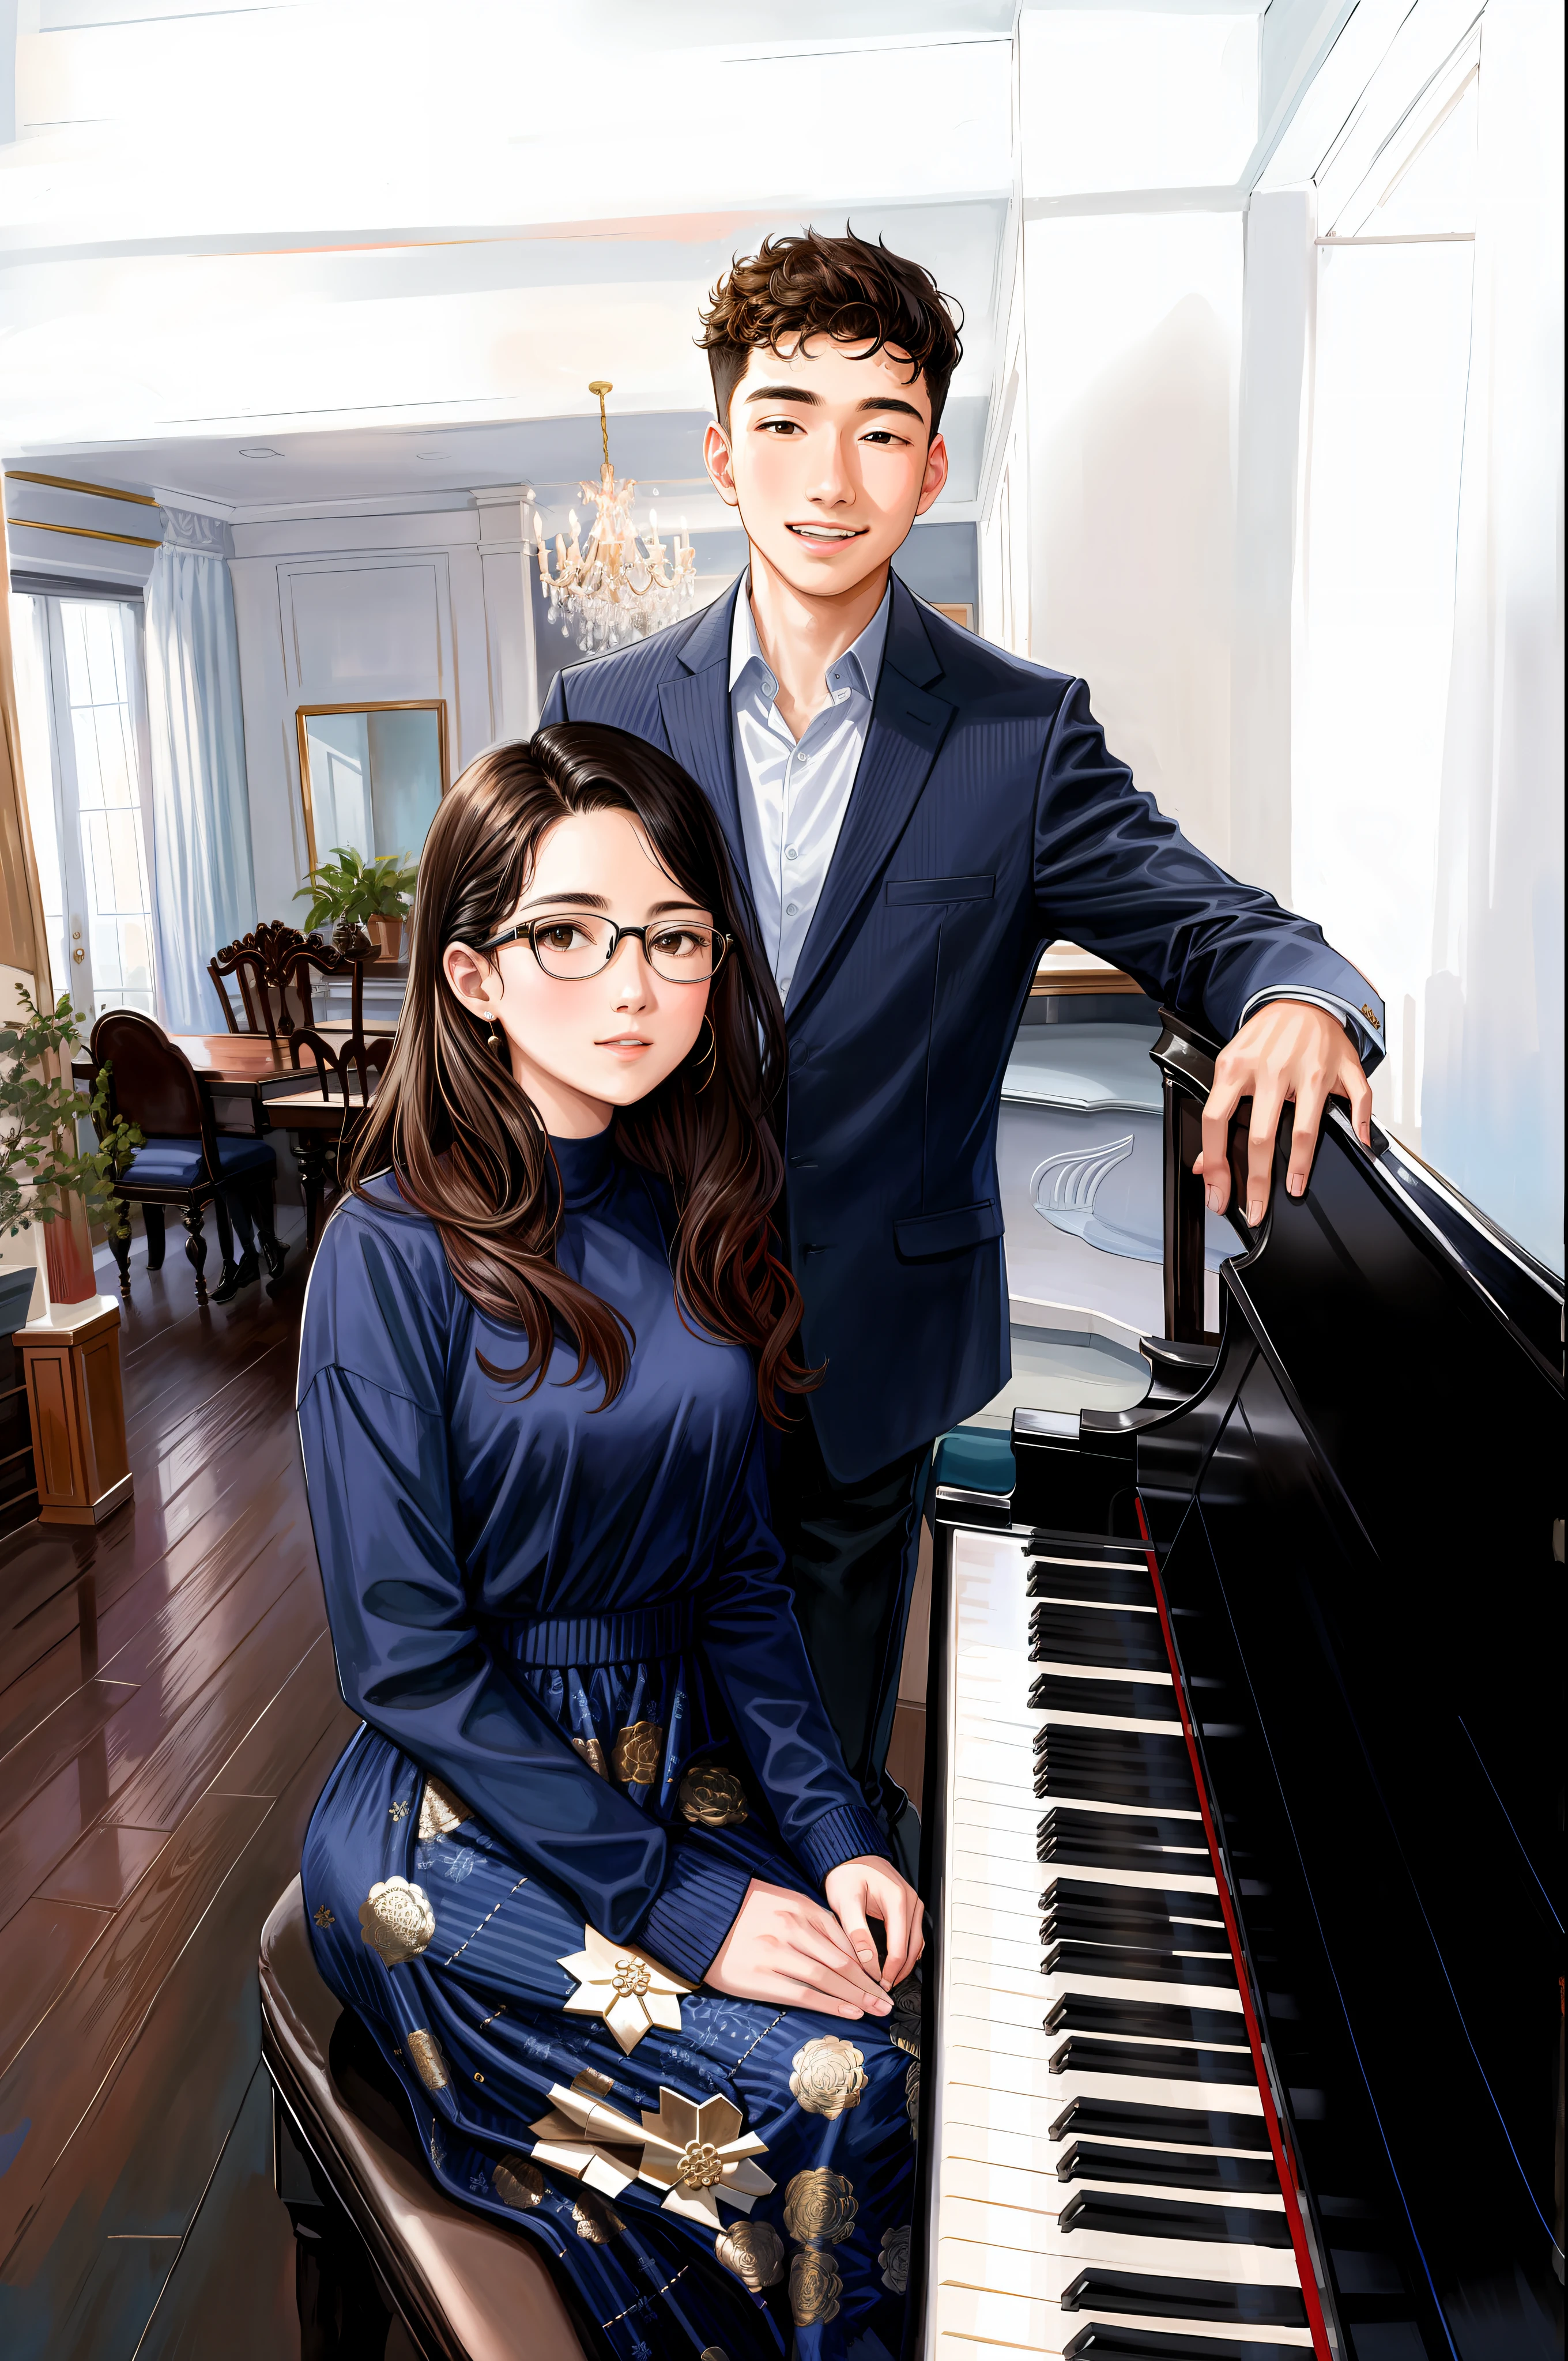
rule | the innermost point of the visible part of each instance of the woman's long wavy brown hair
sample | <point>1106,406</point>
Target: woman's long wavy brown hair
<point>467,1145</point>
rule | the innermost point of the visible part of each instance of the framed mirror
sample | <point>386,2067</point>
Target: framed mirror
<point>372,775</point>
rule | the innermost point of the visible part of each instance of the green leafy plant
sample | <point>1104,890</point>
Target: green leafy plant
<point>41,1169</point>
<point>348,890</point>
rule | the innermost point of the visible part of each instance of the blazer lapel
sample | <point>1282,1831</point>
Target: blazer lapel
<point>908,725</point>
<point>694,703</point>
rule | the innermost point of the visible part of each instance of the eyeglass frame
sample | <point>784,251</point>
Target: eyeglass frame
<point>618,934</point>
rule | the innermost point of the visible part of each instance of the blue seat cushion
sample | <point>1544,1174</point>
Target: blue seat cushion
<point>179,1163</point>
<point>977,1458</point>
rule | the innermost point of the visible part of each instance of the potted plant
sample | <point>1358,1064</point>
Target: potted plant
<point>348,892</point>
<point>44,1180</point>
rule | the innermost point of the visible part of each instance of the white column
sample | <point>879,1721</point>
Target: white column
<point>504,546</point>
<point>1278,304</point>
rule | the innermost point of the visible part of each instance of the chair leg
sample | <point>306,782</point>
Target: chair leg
<point>232,1276</point>
<point>195,1245</point>
<point>311,1158</point>
<point>120,1242</point>
<point>152,1223</point>
<point>272,1248</point>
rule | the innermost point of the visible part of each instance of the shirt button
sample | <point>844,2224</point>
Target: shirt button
<point>790,853</point>
<point>792,909</point>
<point>784,983</point>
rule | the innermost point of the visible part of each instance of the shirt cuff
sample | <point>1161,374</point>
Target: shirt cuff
<point>1365,1040</point>
<point>846,1833</point>
<point>694,1909</point>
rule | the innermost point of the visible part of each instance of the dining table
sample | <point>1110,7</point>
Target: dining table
<point>253,1086</point>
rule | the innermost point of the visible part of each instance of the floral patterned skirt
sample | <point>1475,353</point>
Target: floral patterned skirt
<point>532,2112</point>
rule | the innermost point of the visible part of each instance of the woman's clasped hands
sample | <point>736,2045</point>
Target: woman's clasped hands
<point>786,1948</point>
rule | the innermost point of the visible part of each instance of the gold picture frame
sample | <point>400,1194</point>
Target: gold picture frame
<point>305,714</point>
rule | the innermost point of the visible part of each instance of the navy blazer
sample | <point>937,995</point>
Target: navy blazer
<point>988,817</point>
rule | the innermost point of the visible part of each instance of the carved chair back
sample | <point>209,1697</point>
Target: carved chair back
<point>151,1083</point>
<point>274,966</point>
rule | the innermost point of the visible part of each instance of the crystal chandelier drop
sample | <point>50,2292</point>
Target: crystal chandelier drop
<point>623,584</point>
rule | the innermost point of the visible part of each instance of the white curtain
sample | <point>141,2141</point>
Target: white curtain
<point>204,894</point>
<point>1492,1104</point>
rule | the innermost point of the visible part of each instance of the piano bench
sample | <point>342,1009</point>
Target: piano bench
<point>377,2240</point>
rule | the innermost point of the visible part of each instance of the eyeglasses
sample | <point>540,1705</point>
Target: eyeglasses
<point>681,950</point>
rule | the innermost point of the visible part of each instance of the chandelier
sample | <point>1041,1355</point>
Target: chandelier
<point>623,584</point>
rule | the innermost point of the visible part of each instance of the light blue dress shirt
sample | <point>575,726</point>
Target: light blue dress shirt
<point>794,797</point>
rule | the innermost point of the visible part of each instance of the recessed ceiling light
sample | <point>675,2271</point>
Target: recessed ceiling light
<point>654,493</point>
<point>258,451</point>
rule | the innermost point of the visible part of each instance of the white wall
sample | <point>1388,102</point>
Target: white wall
<point>1133,335</point>
<point>332,610</point>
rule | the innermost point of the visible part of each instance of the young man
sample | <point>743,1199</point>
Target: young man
<point>916,816</point>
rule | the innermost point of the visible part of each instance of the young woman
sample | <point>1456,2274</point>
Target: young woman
<point>593,1872</point>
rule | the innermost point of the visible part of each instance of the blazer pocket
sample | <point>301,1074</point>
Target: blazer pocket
<point>922,1235</point>
<point>941,889</point>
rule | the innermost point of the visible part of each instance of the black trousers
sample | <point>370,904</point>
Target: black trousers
<point>851,1553</point>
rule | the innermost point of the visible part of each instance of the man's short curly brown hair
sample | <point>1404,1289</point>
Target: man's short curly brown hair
<point>840,287</point>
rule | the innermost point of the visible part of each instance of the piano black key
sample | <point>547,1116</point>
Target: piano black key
<point>1117,2341</point>
<point>1107,1585</point>
<point>1217,2299</point>
<point>1117,1841</point>
<point>1135,1786</point>
<point>1169,2168</point>
<point>1133,1935</point>
<point>1149,2020</point>
<point>1096,1635</point>
<point>1123,2119</point>
<point>1138,1966</point>
<point>1053,1540</point>
<point>1132,1701</point>
<point>1126,1903</point>
<point>1106,2212</point>
<point>1081,2053</point>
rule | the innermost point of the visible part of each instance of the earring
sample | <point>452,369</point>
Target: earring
<point>495,1040</point>
<point>710,1055</point>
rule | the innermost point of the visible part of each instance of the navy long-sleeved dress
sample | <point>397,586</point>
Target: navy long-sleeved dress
<point>589,1723</point>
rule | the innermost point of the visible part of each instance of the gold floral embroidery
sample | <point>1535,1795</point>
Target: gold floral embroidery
<point>820,2205</point>
<point>712,1797</point>
<point>425,2051</point>
<point>754,2252</point>
<point>894,2260</point>
<point>519,2183</point>
<point>912,2097</point>
<point>689,2149</point>
<point>323,1917</point>
<point>395,1920</point>
<point>829,2075</point>
<point>625,1986</point>
<point>398,1811</point>
<point>637,1752</point>
<point>598,2223</point>
<point>592,1753</point>
<point>815,2288</point>
<point>440,1811</point>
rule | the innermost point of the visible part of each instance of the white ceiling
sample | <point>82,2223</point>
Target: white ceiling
<point>391,242</point>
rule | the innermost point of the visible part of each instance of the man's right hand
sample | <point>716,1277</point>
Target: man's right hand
<point>788,1950</point>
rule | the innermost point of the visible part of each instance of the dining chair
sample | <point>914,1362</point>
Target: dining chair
<point>326,1118</point>
<point>185,1162</point>
<point>273,968</point>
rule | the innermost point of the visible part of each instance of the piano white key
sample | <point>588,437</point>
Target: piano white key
<point>1007,2237</point>
<point>1030,2190</point>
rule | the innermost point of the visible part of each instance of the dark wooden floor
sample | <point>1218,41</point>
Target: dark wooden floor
<point>168,1716</point>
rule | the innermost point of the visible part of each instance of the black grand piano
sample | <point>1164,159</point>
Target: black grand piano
<point>1245,1729</point>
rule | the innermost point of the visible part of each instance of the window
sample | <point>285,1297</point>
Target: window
<point>79,684</point>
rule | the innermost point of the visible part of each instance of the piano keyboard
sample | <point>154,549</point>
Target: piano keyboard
<point>1103,2178</point>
